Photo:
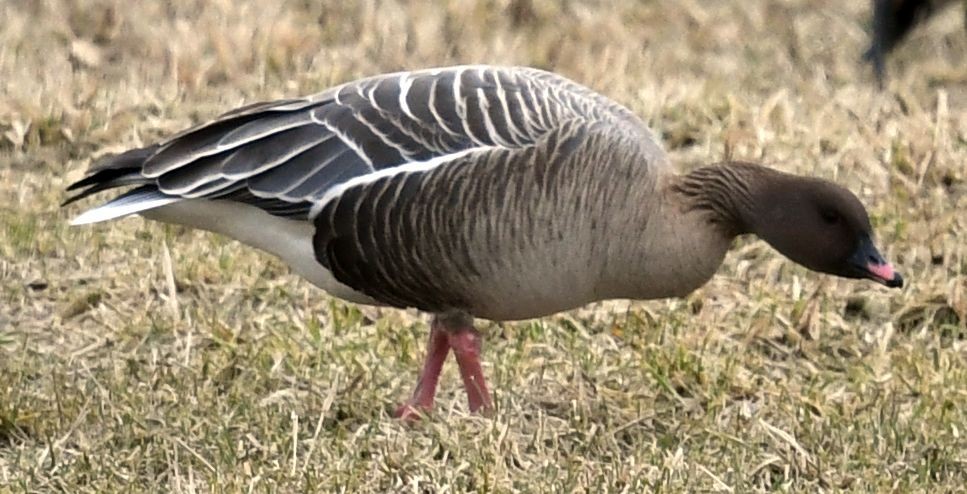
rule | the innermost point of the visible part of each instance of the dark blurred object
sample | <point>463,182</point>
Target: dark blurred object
<point>892,21</point>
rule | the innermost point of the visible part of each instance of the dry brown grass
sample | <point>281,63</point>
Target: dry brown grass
<point>226,373</point>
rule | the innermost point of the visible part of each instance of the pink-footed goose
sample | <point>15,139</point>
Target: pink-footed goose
<point>476,191</point>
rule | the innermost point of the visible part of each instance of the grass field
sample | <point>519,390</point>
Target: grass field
<point>140,357</point>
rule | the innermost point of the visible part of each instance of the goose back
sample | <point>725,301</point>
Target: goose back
<point>284,157</point>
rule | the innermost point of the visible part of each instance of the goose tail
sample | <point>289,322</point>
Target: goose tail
<point>131,202</point>
<point>119,171</point>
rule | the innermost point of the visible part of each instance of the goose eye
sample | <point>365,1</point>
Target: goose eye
<point>830,217</point>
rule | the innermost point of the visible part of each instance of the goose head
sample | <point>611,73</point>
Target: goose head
<point>819,225</point>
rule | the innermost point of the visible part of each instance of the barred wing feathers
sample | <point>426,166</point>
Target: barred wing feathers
<point>286,156</point>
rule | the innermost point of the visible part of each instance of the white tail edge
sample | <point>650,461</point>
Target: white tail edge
<point>131,203</point>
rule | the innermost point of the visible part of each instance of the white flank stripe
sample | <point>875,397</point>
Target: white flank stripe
<point>126,206</point>
<point>414,167</point>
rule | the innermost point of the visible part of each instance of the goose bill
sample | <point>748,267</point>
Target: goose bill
<point>868,261</point>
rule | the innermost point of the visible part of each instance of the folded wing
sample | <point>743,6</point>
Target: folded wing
<point>286,156</point>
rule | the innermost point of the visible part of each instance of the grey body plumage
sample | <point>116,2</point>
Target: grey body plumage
<point>438,189</point>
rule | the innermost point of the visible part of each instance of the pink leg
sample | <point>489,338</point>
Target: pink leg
<point>456,331</point>
<point>466,343</point>
<point>437,350</point>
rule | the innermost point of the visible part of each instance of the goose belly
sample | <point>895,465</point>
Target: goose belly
<point>532,286</point>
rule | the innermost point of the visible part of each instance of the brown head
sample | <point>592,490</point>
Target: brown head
<point>813,222</point>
